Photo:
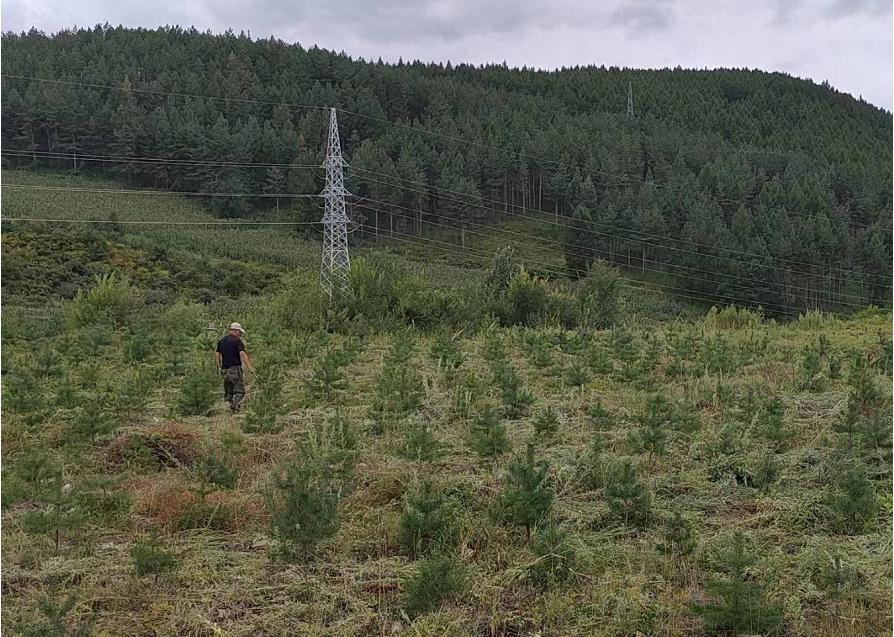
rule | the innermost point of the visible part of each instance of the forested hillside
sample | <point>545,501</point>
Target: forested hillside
<point>741,186</point>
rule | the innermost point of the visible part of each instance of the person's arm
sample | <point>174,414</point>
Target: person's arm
<point>246,361</point>
<point>217,360</point>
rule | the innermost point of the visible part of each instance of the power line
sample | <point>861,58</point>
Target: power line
<point>163,223</point>
<point>563,251</point>
<point>607,225</point>
<point>550,268</point>
<point>147,160</point>
<point>543,160</point>
<point>240,100</point>
<point>682,293</point>
<point>124,191</point>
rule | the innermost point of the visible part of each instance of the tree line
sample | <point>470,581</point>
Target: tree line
<point>744,185</point>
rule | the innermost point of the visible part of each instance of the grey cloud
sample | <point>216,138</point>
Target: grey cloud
<point>841,8</point>
<point>642,18</point>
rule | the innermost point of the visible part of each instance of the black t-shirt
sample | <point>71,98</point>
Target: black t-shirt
<point>229,347</point>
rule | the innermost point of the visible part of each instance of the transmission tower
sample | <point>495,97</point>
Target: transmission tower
<point>334,270</point>
<point>629,99</point>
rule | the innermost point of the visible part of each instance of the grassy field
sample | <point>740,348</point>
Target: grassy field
<point>718,475</point>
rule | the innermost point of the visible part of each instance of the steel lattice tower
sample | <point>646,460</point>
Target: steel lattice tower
<point>336,261</point>
<point>629,99</point>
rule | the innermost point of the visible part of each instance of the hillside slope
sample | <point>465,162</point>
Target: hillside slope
<point>711,179</point>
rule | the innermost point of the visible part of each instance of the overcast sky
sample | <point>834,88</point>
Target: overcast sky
<point>848,42</point>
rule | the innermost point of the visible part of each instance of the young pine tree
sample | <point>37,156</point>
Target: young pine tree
<point>488,436</point>
<point>447,353</point>
<point>678,536</point>
<point>266,404</point>
<point>655,422</point>
<point>198,392</point>
<point>93,419</point>
<point>438,579</point>
<point>54,621</point>
<point>399,389</point>
<point>419,442</point>
<point>149,557</point>
<point>853,501</point>
<point>516,399</point>
<point>738,602</point>
<point>629,501</point>
<point>546,422</point>
<point>427,521</point>
<point>303,503</point>
<point>59,512</point>
<point>527,495</point>
<point>555,556</point>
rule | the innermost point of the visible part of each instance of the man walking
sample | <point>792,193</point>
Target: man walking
<point>230,357</point>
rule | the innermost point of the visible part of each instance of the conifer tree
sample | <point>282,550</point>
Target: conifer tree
<point>488,436</point>
<point>527,495</point>
<point>149,557</point>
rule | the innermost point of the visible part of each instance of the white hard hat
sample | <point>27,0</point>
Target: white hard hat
<point>236,326</point>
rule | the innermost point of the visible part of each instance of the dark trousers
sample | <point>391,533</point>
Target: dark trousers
<point>234,386</point>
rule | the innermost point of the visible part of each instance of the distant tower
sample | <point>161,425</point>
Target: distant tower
<point>629,99</point>
<point>336,261</point>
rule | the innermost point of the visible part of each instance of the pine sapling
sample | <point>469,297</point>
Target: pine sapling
<point>629,501</point>
<point>527,495</point>
<point>427,521</point>
<point>419,442</point>
<point>678,536</point>
<point>438,579</point>
<point>303,503</point>
<point>546,422</point>
<point>488,436</point>
<point>555,556</point>
<point>738,602</point>
<point>149,557</point>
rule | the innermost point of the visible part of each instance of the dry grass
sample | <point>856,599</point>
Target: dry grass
<point>229,583</point>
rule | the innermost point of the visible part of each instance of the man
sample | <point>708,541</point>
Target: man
<point>230,357</point>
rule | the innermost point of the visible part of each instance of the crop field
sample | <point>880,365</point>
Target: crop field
<point>433,457</point>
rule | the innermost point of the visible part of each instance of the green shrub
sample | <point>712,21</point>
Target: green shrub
<point>599,297</point>
<point>526,299</point>
<point>526,496</point>
<point>437,579</point>
<point>738,601</point>
<point>111,301</point>
<point>149,557</point>
<point>733,317</point>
